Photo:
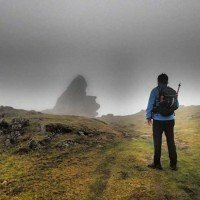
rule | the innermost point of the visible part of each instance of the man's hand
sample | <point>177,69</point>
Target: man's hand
<point>149,122</point>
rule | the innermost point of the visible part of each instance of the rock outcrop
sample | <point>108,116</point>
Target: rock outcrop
<point>74,101</point>
<point>13,130</point>
<point>57,128</point>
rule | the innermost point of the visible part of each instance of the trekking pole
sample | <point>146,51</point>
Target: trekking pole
<point>179,85</point>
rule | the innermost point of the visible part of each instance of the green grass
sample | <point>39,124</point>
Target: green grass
<point>111,169</point>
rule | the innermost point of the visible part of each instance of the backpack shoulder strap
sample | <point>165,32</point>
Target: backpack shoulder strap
<point>157,97</point>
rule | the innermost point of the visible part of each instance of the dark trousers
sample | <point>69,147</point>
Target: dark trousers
<point>168,128</point>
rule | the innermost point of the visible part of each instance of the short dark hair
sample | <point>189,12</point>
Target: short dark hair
<point>163,78</point>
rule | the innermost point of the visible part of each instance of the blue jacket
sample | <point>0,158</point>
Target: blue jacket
<point>152,99</point>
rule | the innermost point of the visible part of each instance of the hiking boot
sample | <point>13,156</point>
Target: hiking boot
<point>153,166</point>
<point>173,167</point>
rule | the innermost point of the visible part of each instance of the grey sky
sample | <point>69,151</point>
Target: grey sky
<point>119,46</point>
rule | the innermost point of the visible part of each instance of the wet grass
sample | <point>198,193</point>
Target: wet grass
<point>116,170</point>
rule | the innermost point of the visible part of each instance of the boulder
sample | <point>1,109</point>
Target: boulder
<point>14,129</point>
<point>4,126</point>
<point>4,183</point>
<point>8,143</point>
<point>81,133</point>
<point>21,122</point>
<point>33,145</point>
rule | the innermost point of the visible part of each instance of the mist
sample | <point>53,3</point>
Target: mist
<point>120,47</point>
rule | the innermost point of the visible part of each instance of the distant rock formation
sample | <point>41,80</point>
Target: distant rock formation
<point>74,101</point>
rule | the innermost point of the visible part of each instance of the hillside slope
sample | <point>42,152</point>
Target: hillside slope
<point>70,157</point>
<point>50,157</point>
<point>183,184</point>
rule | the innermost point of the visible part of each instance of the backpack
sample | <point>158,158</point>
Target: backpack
<point>167,102</point>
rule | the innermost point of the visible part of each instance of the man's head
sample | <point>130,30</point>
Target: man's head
<point>163,79</point>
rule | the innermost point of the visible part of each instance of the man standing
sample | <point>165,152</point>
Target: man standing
<point>161,106</point>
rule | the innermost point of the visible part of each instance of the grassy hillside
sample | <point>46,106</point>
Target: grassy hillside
<point>183,184</point>
<point>102,158</point>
